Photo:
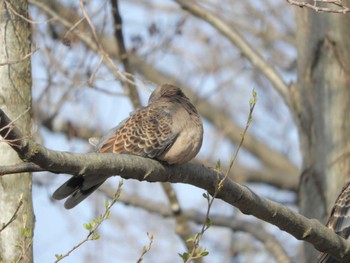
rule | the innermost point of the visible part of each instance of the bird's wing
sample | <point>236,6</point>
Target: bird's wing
<point>147,132</point>
<point>339,220</point>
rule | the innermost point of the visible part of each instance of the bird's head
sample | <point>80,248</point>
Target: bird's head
<point>166,91</point>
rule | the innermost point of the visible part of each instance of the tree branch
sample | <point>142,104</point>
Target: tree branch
<point>252,228</point>
<point>20,168</point>
<point>142,169</point>
<point>15,61</point>
<point>123,55</point>
<point>236,39</point>
<point>339,8</point>
<point>14,216</point>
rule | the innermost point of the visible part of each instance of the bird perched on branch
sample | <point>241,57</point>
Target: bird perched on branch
<point>168,129</point>
<point>339,220</point>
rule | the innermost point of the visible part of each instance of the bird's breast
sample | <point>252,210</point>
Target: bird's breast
<point>187,143</point>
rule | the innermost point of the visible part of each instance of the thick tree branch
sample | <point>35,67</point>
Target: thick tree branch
<point>134,167</point>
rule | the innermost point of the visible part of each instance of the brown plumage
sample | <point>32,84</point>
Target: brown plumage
<point>168,129</point>
<point>339,220</point>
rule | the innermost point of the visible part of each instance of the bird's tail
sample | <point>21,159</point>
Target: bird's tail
<point>325,258</point>
<point>77,188</point>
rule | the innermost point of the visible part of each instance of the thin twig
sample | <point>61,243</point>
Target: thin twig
<point>76,24</point>
<point>15,61</point>
<point>123,76</point>
<point>14,216</point>
<point>12,10</point>
<point>146,248</point>
<point>7,129</point>
<point>252,104</point>
<point>194,254</point>
<point>342,10</point>
<point>95,224</point>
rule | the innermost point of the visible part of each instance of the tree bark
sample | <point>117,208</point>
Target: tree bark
<point>15,100</point>
<point>323,103</point>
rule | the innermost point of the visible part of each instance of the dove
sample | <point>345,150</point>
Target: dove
<point>169,129</point>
